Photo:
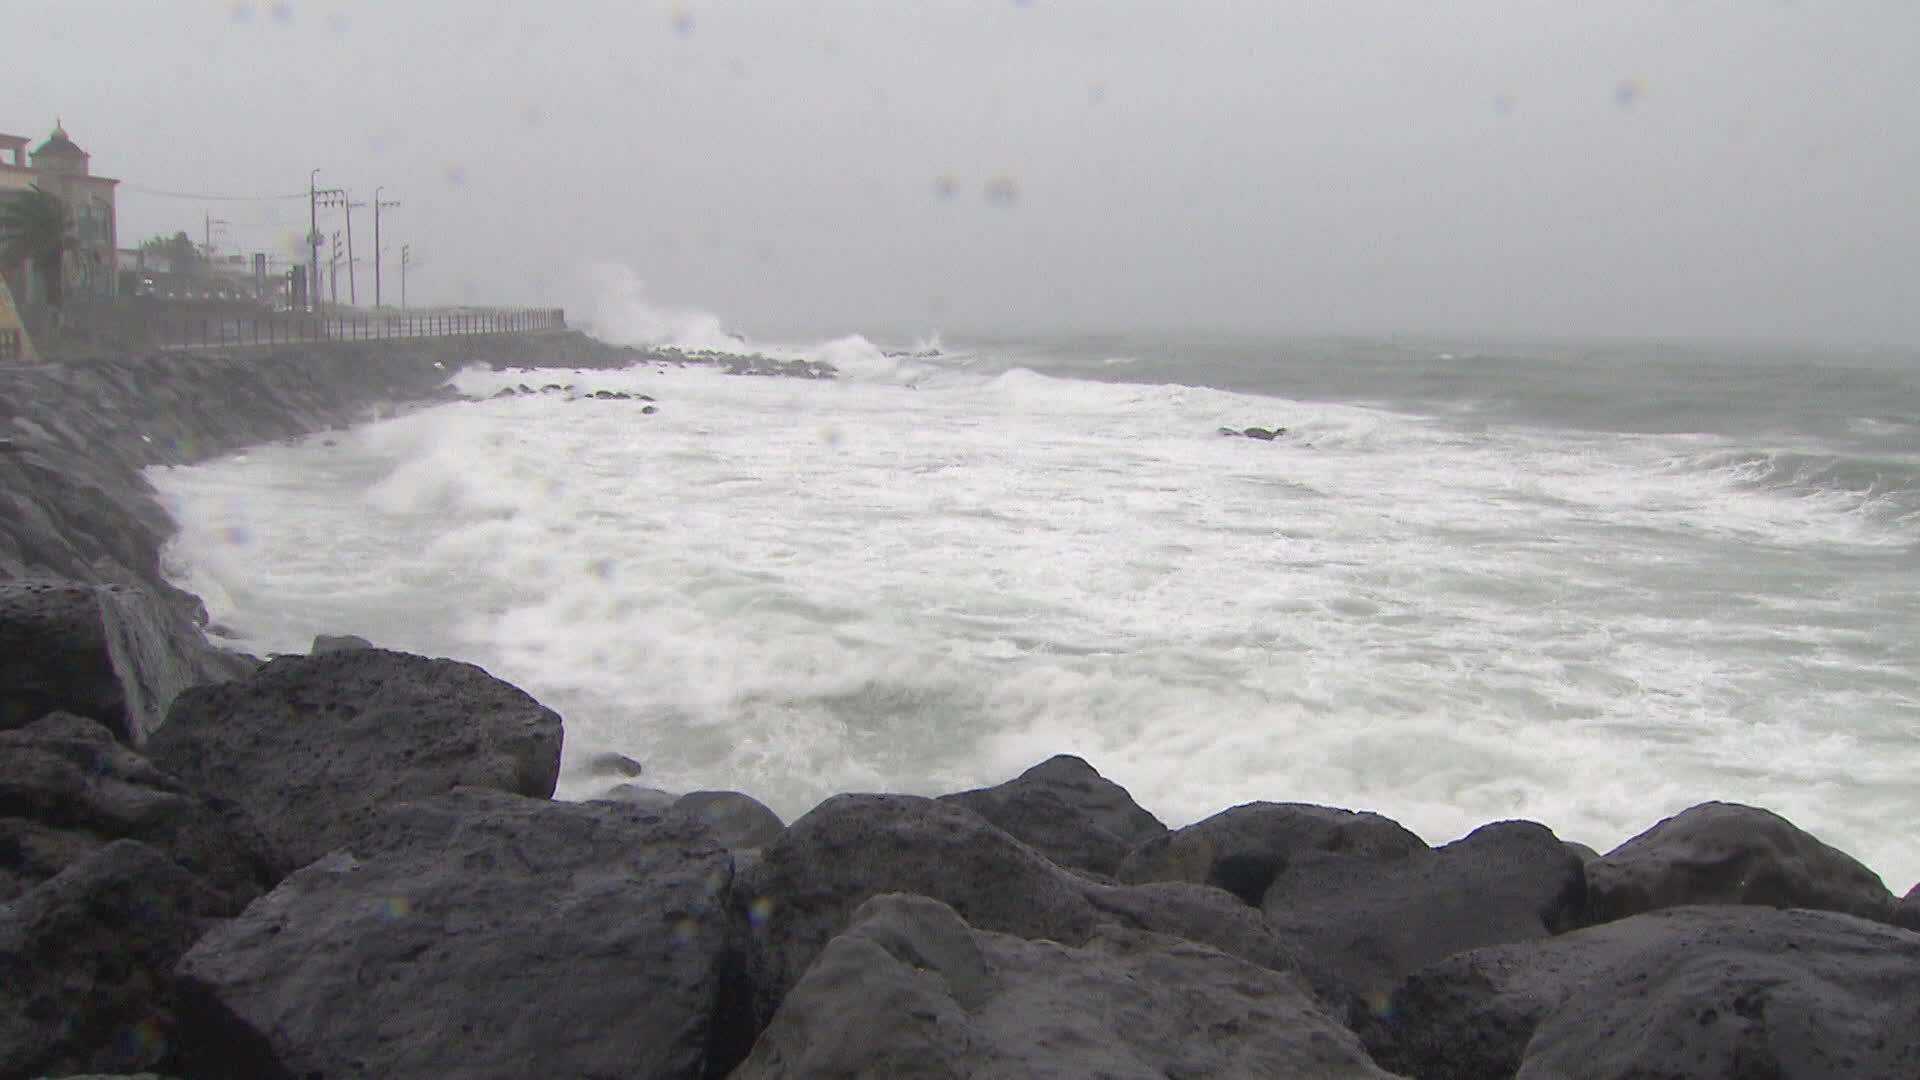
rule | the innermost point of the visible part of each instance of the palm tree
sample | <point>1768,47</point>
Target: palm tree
<point>34,229</point>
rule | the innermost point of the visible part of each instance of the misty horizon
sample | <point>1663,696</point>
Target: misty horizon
<point>1490,171</point>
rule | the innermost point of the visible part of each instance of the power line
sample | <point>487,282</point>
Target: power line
<point>124,186</point>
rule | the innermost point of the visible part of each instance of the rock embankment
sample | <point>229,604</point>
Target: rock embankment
<point>348,864</point>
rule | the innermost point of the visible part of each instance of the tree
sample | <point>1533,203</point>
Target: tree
<point>179,251</point>
<point>35,230</point>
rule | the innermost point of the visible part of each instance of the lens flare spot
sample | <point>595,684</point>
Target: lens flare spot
<point>1380,1004</point>
<point>141,1042</point>
<point>681,20</point>
<point>946,187</point>
<point>395,908</point>
<point>1629,92</point>
<point>1003,191</point>
<point>237,535</point>
<point>686,932</point>
<point>760,911</point>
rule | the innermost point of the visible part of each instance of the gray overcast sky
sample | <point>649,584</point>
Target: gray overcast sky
<point>1619,169</point>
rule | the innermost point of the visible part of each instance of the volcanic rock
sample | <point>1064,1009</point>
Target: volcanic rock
<point>1243,849</point>
<point>111,653</point>
<point>475,935</point>
<point>1370,922</point>
<point>1726,853</point>
<point>87,957</point>
<point>67,789</point>
<point>807,883</point>
<point>1068,812</point>
<point>911,990</point>
<point>326,643</point>
<point>1687,993</point>
<point>736,821</point>
<point>312,746</point>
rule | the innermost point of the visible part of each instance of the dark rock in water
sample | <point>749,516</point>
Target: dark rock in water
<point>506,391</point>
<point>475,935</point>
<point>1068,812</point>
<point>87,957</point>
<point>643,397</point>
<point>1689,993</point>
<point>554,388</point>
<point>1235,432</point>
<point>609,763</point>
<point>1243,849</point>
<point>651,799</point>
<point>1725,853</point>
<point>111,653</point>
<point>1907,914</point>
<point>648,410</point>
<point>524,388</point>
<point>1369,923</point>
<point>312,746</point>
<point>67,790</point>
<point>736,821</point>
<point>612,395</point>
<point>1266,434</point>
<point>910,990</point>
<point>326,643</point>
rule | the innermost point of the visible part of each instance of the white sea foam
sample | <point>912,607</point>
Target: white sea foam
<point>930,582</point>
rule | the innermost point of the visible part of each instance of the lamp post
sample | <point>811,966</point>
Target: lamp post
<point>406,259</point>
<point>377,205</point>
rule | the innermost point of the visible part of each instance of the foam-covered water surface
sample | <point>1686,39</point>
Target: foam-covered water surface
<point>938,569</point>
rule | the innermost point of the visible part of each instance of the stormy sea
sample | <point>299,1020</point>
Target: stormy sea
<point>1471,580</point>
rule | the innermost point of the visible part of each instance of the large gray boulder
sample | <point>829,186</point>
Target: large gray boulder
<point>738,822</point>
<point>475,935</point>
<point>1687,993</point>
<point>86,959</point>
<point>910,990</point>
<point>1726,853</point>
<point>1243,849</point>
<point>1369,923</point>
<point>68,789</point>
<point>112,653</point>
<point>314,746</point>
<point>806,885</point>
<point>850,848</point>
<point>1067,811</point>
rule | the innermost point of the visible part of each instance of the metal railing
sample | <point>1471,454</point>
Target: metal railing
<point>215,332</point>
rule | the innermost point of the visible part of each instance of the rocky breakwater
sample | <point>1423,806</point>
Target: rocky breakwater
<point>349,864</point>
<point>80,531</point>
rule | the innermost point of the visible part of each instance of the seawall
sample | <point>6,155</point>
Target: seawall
<point>74,438</point>
<point>85,604</point>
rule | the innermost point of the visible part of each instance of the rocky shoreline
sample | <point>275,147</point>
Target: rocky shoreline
<point>349,864</point>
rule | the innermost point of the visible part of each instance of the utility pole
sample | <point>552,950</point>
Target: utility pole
<point>406,256</point>
<point>330,197</point>
<point>353,293</point>
<point>313,238</point>
<point>377,205</point>
<point>333,269</point>
<point>207,236</point>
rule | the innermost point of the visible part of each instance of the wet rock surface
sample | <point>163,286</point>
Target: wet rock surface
<point>87,958</point>
<point>1067,811</point>
<point>1244,849</point>
<point>478,934</point>
<point>68,789</point>
<point>1725,853</point>
<point>1683,993</point>
<point>910,989</point>
<point>313,746</point>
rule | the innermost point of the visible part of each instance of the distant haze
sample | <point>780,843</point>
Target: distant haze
<point>1677,170</point>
